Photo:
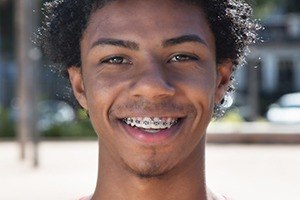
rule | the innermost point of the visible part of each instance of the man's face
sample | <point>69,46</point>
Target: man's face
<point>149,81</point>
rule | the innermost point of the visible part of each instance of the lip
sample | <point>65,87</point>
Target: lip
<point>161,137</point>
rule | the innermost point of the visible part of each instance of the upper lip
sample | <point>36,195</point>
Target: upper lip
<point>164,117</point>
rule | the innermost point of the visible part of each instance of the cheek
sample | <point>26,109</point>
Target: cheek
<point>199,88</point>
<point>100,95</point>
<point>101,91</point>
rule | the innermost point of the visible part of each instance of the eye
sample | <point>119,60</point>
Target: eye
<point>183,58</point>
<point>115,60</point>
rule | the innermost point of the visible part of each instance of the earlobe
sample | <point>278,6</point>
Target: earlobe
<point>224,71</point>
<point>76,80</point>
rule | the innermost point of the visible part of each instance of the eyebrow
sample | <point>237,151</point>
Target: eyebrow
<point>115,42</point>
<point>135,46</point>
<point>183,39</point>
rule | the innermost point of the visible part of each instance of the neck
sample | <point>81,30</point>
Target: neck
<point>186,181</point>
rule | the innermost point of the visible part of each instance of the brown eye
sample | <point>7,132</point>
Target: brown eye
<point>116,60</point>
<point>182,58</point>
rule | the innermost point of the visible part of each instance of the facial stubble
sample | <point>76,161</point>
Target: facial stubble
<point>150,168</point>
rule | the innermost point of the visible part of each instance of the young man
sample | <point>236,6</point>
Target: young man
<point>151,73</point>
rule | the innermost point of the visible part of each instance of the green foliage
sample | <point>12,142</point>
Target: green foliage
<point>80,128</point>
<point>7,128</point>
<point>293,6</point>
<point>263,8</point>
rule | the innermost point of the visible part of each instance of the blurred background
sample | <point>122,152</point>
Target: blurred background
<point>48,149</point>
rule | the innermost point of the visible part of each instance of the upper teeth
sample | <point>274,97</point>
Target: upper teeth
<point>150,123</point>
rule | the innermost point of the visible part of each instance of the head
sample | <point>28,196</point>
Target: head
<point>150,73</point>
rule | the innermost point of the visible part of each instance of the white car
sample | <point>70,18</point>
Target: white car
<point>286,109</point>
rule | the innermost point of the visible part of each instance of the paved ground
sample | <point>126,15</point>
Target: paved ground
<point>68,171</point>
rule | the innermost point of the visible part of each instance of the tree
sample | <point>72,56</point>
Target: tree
<point>263,8</point>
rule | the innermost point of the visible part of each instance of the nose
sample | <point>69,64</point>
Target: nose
<point>152,84</point>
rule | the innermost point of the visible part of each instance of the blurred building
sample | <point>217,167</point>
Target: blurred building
<point>276,60</point>
<point>8,74</point>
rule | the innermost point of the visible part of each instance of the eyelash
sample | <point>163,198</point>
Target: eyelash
<point>183,58</point>
<point>118,60</point>
<point>115,60</point>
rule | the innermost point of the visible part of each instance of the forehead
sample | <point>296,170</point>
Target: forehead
<point>147,19</point>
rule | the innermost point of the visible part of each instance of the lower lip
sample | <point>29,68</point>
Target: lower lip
<point>152,138</point>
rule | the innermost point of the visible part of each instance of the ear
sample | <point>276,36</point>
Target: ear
<point>76,80</point>
<point>224,73</point>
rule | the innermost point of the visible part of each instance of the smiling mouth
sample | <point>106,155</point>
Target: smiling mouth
<point>151,125</point>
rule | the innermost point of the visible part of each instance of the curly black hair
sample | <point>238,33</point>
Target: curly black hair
<point>66,20</point>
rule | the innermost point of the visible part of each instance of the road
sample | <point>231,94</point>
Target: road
<point>68,171</point>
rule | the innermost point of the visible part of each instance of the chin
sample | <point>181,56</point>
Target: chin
<point>148,169</point>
